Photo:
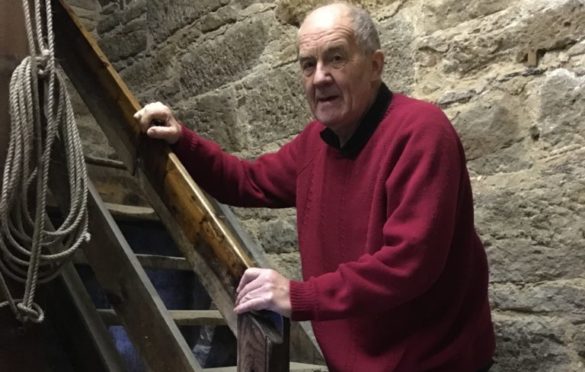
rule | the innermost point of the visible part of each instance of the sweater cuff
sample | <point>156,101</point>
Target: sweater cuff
<point>303,300</point>
<point>186,143</point>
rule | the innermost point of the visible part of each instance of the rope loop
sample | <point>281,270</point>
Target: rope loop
<point>42,63</point>
<point>32,313</point>
<point>31,251</point>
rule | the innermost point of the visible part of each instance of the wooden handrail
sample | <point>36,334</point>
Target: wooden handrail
<point>263,344</point>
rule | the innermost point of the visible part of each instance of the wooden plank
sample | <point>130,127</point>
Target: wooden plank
<point>294,367</point>
<point>181,317</point>
<point>104,162</point>
<point>101,338</point>
<point>151,261</point>
<point>263,342</point>
<point>120,212</point>
<point>131,212</point>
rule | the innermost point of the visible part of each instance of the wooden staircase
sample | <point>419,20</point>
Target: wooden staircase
<point>206,233</point>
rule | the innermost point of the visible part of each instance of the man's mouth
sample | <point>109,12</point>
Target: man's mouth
<point>327,98</point>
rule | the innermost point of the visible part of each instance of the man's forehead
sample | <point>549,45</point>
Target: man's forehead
<point>325,39</point>
<point>319,33</point>
<point>325,18</point>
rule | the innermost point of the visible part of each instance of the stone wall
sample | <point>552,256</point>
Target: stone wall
<point>510,74</point>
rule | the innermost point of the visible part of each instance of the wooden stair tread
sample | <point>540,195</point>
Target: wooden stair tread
<point>149,261</point>
<point>131,212</point>
<point>181,317</point>
<point>294,367</point>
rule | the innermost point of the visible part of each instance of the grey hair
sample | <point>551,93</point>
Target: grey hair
<point>364,29</point>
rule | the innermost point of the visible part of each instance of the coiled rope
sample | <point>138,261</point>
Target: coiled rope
<point>30,251</point>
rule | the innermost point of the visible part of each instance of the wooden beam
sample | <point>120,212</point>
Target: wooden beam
<point>102,344</point>
<point>263,342</point>
<point>104,162</point>
<point>131,212</point>
<point>294,367</point>
<point>151,261</point>
<point>181,317</point>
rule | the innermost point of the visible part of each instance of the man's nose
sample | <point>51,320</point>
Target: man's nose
<point>322,74</point>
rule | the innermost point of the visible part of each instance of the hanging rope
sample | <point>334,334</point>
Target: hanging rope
<point>30,252</point>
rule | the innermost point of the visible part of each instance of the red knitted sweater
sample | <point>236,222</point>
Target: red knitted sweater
<point>395,277</point>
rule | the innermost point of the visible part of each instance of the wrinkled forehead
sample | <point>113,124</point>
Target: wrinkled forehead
<point>321,29</point>
<point>322,37</point>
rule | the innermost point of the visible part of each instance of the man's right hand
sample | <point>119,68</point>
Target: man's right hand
<point>157,121</point>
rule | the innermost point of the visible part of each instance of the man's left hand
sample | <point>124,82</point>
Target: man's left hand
<point>263,289</point>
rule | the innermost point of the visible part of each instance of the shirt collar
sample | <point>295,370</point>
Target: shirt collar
<point>365,129</point>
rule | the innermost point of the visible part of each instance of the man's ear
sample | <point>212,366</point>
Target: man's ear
<point>377,60</point>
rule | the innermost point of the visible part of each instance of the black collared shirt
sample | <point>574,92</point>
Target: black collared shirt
<point>366,127</point>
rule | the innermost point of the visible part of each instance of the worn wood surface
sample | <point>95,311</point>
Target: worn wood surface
<point>149,261</point>
<point>294,367</point>
<point>88,344</point>
<point>181,317</point>
<point>263,343</point>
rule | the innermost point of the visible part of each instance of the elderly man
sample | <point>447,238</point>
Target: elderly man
<point>395,277</point>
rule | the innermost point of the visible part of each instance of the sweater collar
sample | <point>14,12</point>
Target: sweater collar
<point>366,127</point>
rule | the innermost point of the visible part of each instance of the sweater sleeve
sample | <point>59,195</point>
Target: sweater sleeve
<point>422,192</point>
<point>269,181</point>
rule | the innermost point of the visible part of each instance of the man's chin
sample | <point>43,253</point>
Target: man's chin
<point>327,121</point>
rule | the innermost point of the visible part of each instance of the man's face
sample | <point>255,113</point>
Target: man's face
<point>338,78</point>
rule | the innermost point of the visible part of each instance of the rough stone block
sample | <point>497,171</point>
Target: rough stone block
<point>279,236</point>
<point>128,41</point>
<point>533,343</point>
<point>166,17</point>
<point>532,222</point>
<point>562,108</point>
<point>442,14</point>
<point>229,57</point>
<point>560,297</point>
<point>397,36</point>
<point>214,116</point>
<point>488,125</point>
<point>552,25</point>
<point>217,19</point>
<point>153,77</point>
<point>271,105</point>
<point>288,264</point>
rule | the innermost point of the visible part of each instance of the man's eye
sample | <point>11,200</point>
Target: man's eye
<point>307,67</point>
<point>338,60</point>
